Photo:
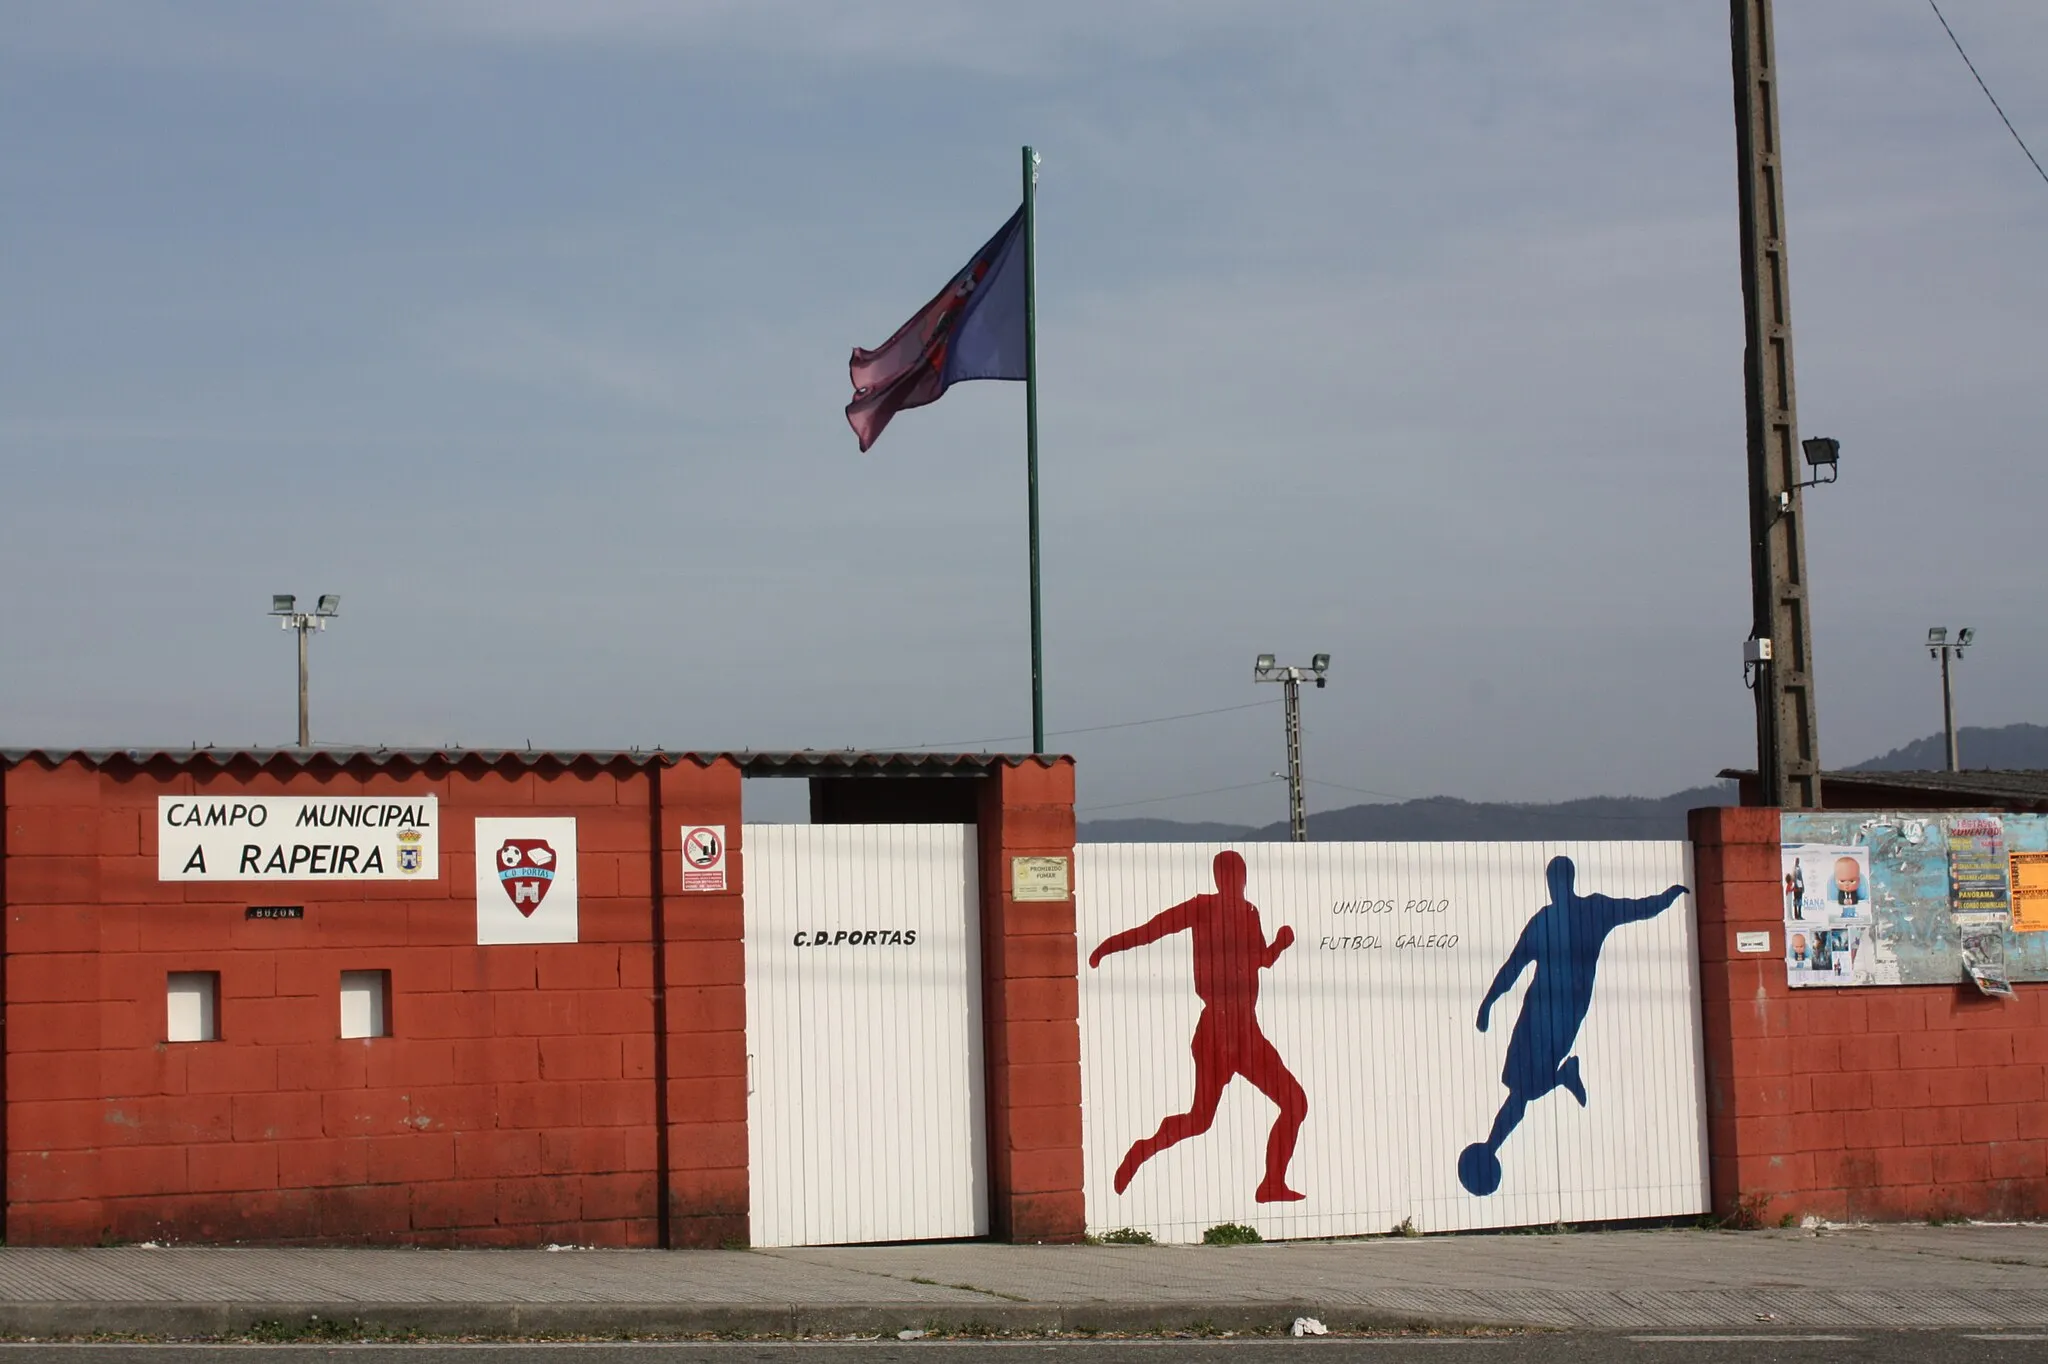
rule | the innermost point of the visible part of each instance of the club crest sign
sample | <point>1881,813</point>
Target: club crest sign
<point>526,871</point>
<point>526,880</point>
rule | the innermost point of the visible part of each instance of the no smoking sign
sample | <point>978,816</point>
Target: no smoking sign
<point>704,857</point>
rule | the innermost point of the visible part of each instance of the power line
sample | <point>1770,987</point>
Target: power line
<point>1986,89</point>
<point>1355,790</point>
<point>1185,795</point>
<point>966,744</point>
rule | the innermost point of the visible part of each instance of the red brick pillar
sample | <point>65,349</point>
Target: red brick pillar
<point>1030,1003</point>
<point>1755,1102</point>
<point>702,1018</point>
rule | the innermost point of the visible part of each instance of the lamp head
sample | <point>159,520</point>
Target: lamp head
<point>1321,663</point>
<point>330,604</point>
<point>282,603</point>
<point>1937,635</point>
<point>1965,637</point>
<point>1822,452</point>
<point>1263,666</point>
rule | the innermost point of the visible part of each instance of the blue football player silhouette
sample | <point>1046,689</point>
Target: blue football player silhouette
<point>1563,940</point>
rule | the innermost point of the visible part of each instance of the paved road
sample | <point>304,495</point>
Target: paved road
<point>1834,1347</point>
<point>1967,1278</point>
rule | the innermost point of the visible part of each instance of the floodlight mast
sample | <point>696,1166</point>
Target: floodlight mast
<point>1940,646</point>
<point>285,607</point>
<point>1267,669</point>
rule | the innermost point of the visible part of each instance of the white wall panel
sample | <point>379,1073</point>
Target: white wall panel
<point>866,1118</point>
<point>1383,1039</point>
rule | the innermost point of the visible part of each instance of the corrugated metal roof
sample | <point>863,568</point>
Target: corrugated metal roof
<point>792,763</point>
<point>851,762</point>
<point>1994,784</point>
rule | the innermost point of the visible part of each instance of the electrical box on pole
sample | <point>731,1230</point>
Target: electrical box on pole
<point>1787,736</point>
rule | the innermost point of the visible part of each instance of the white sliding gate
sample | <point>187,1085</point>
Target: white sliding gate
<point>865,1111</point>
<point>1581,1100</point>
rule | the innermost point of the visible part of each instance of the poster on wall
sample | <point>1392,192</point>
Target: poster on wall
<point>1827,910</point>
<point>1978,891</point>
<point>1910,898</point>
<point>1984,958</point>
<point>2029,877</point>
<point>210,837</point>
<point>1332,1039</point>
<point>525,880</point>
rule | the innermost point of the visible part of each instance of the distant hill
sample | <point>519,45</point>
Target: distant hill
<point>1439,818</point>
<point>1442,817</point>
<point>2010,747</point>
<point>1169,831</point>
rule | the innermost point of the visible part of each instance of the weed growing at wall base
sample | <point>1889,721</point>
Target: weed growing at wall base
<point>1231,1234</point>
<point>1748,1213</point>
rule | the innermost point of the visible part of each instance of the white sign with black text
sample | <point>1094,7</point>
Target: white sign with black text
<point>297,838</point>
<point>525,880</point>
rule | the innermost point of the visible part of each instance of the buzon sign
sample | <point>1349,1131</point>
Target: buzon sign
<point>297,838</point>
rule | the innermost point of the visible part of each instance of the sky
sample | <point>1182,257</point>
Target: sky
<point>1406,332</point>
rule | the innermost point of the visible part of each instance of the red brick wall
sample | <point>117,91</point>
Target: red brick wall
<point>1874,1103</point>
<point>526,1094</point>
<point>516,1101</point>
<point>1031,1009</point>
<point>705,971</point>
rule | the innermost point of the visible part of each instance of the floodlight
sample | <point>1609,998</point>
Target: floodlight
<point>1290,677</point>
<point>1965,637</point>
<point>1822,452</point>
<point>285,606</point>
<point>1937,634</point>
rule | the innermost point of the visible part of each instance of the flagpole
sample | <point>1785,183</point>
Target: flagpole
<point>1031,436</point>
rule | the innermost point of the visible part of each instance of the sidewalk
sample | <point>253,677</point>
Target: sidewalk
<point>1891,1276</point>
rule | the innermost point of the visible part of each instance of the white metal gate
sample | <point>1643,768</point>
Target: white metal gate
<point>865,1114</point>
<point>1462,1035</point>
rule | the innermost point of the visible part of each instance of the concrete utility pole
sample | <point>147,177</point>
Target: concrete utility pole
<point>1781,649</point>
<point>1939,646</point>
<point>1290,679</point>
<point>285,607</point>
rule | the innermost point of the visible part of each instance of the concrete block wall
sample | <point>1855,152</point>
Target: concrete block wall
<point>596,1092</point>
<point>1031,1007</point>
<point>592,1092</point>
<point>1887,1102</point>
<point>702,994</point>
<point>516,1101</point>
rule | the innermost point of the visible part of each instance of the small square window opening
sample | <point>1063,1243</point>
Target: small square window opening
<point>365,1003</point>
<point>192,1000</point>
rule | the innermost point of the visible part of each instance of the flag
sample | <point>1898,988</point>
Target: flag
<point>974,329</point>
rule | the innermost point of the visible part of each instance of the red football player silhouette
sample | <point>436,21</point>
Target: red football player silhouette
<point>1230,951</point>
